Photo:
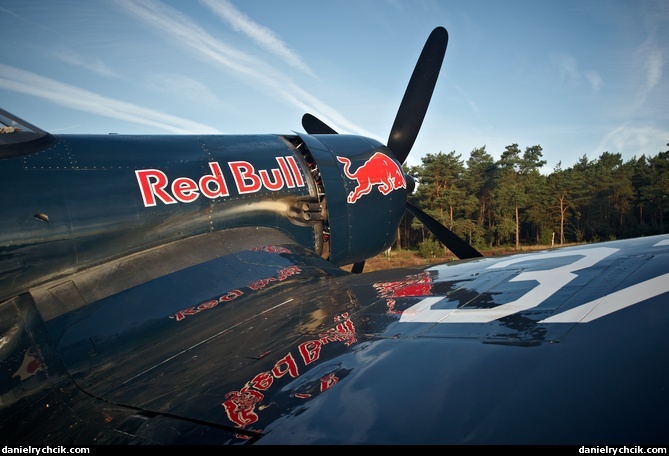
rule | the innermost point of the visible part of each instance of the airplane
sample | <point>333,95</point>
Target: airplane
<point>190,290</point>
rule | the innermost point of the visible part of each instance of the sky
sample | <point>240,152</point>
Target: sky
<point>576,77</point>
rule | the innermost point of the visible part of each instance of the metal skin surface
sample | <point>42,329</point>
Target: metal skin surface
<point>188,290</point>
<point>79,202</point>
<point>291,350</point>
<point>578,364</point>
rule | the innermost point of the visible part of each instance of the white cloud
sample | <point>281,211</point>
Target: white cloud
<point>594,79</point>
<point>634,138</point>
<point>250,70</point>
<point>183,86</point>
<point>654,66</point>
<point>22,81</point>
<point>262,36</point>
<point>96,65</point>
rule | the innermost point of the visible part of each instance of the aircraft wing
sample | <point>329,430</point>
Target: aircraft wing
<point>264,342</point>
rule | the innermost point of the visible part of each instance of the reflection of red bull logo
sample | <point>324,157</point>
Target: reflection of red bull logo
<point>379,170</point>
<point>281,275</point>
<point>413,285</point>
<point>242,406</point>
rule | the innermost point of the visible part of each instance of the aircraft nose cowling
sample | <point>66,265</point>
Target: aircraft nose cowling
<point>366,193</point>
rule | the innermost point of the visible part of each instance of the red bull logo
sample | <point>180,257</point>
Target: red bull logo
<point>380,170</point>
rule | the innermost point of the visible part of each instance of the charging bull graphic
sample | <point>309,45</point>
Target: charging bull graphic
<point>379,170</point>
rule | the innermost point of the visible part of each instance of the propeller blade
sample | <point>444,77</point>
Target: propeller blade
<point>417,97</point>
<point>315,126</point>
<point>455,244</point>
<point>358,267</point>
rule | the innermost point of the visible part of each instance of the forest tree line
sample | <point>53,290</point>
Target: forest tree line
<point>509,202</point>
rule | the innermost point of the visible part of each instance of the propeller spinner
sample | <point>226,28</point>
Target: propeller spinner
<point>405,129</point>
